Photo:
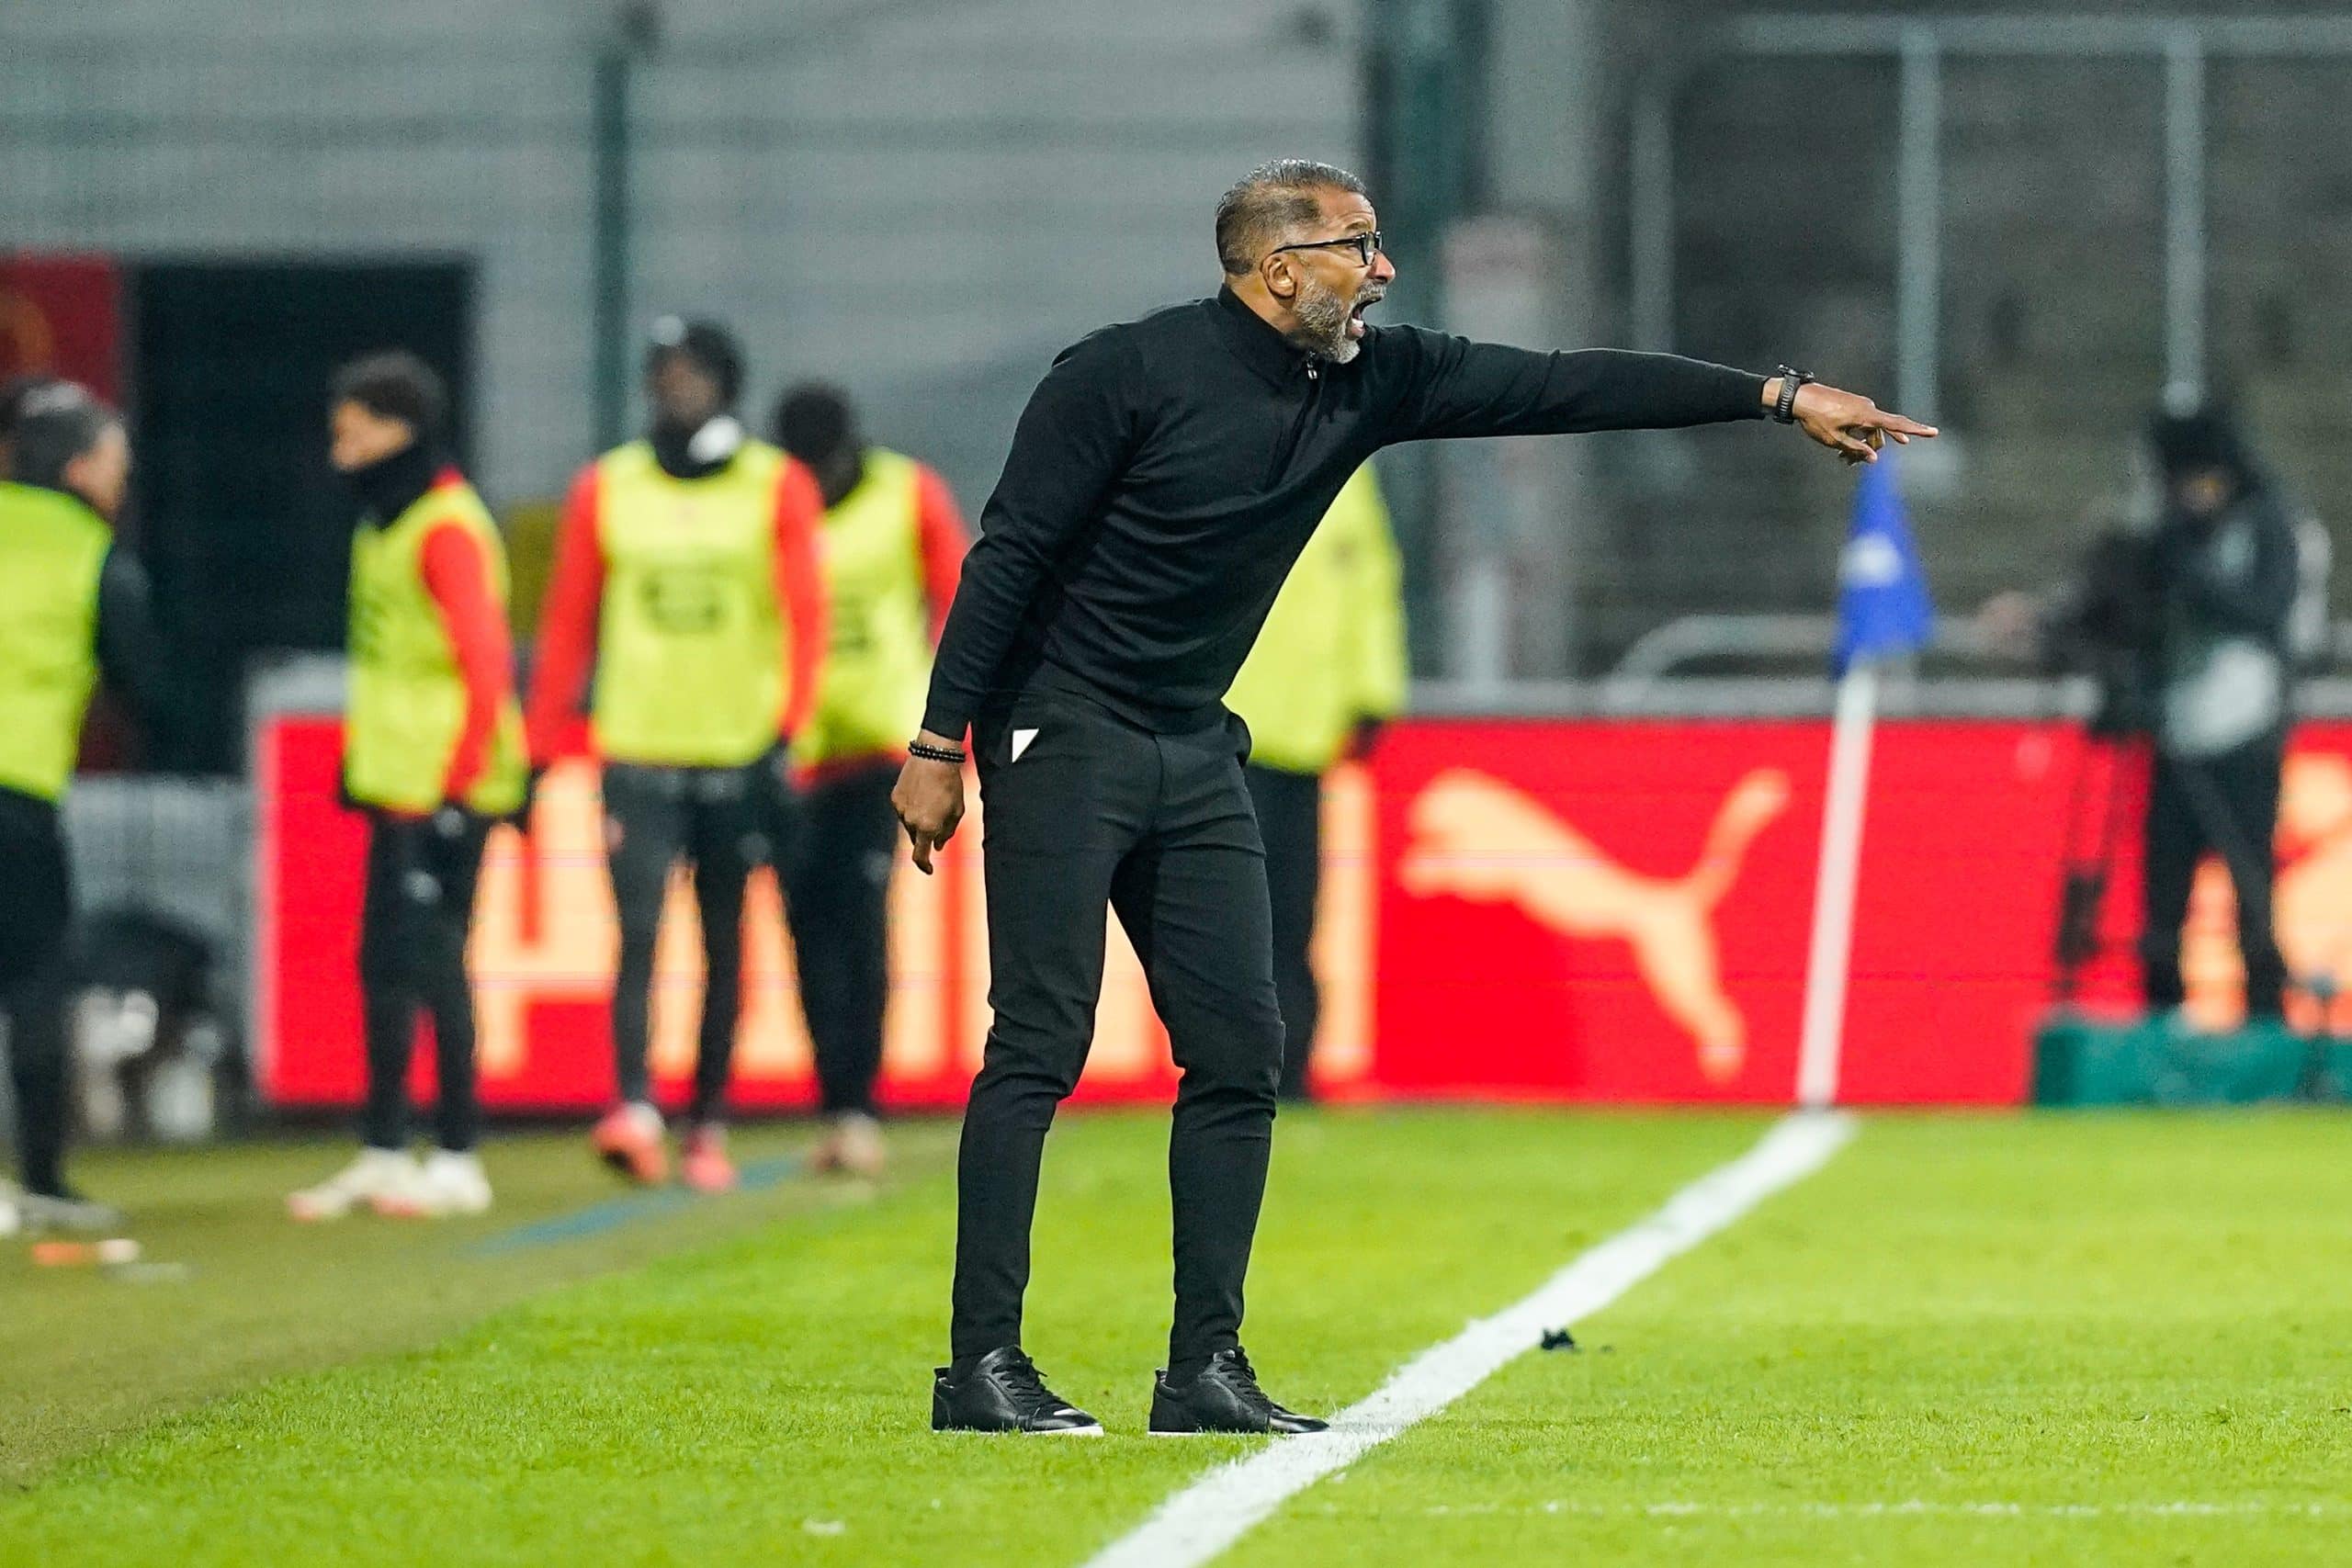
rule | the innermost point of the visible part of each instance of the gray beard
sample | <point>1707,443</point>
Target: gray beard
<point>1323,324</point>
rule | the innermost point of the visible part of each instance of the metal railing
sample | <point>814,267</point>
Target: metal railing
<point>2183,44</point>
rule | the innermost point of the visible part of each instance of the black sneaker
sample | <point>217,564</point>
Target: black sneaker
<point>1005,1392</point>
<point>1225,1398</point>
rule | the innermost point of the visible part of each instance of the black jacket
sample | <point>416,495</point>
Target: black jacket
<point>1167,472</point>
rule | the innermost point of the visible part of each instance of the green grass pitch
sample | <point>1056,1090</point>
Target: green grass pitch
<point>1968,1339</point>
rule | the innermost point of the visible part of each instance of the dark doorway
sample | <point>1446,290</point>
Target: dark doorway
<point>245,529</point>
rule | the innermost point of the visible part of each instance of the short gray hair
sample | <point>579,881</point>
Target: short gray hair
<point>1268,203</point>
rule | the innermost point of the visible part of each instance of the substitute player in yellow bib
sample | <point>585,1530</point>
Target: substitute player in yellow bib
<point>1327,670</point>
<point>687,574</point>
<point>893,548</point>
<point>74,605</point>
<point>432,755</point>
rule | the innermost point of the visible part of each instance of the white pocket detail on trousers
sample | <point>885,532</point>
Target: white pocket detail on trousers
<point>1021,739</point>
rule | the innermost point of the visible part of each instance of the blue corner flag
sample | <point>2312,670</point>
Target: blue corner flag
<point>1882,604</point>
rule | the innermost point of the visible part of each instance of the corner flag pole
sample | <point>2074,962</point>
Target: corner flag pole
<point>1831,953</point>
<point>1883,612</point>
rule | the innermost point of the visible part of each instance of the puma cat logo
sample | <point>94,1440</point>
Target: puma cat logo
<point>1477,838</point>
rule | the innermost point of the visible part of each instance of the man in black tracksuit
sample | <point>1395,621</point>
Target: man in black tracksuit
<point>1164,477</point>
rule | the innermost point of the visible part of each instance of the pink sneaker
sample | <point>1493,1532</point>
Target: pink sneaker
<point>703,1164</point>
<point>630,1140</point>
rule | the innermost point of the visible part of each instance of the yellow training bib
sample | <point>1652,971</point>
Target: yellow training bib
<point>52,549</point>
<point>870,698</point>
<point>408,696</point>
<point>690,668</point>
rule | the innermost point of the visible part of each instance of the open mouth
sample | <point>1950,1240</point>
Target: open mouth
<point>1355,315</point>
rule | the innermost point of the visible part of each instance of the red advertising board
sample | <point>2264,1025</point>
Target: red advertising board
<point>1621,910</point>
<point>1570,910</point>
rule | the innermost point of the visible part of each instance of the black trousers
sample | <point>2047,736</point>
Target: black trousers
<point>2227,805</point>
<point>1290,817</point>
<point>719,821</point>
<point>836,889</point>
<point>1095,812</point>
<point>36,908</point>
<point>413,919</point>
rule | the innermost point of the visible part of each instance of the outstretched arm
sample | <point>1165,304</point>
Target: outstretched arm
<point>1442,385</point>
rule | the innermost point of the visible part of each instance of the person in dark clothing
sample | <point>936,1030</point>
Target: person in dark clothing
<point>894,545</point>
<point>686,575</point>
<point>73,607</point>
<point>1164,479</point>
<point>433,754</point>
<point>2223,566</point>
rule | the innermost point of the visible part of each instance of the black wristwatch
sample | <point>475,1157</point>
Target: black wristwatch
<point>1784,408</point>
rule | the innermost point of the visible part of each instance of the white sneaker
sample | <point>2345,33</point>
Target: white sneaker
<point>452,1183</point>
<point>11,1219</point>
<point>383,1179</point>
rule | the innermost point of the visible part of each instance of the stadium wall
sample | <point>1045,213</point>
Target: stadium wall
<point>923,200</point>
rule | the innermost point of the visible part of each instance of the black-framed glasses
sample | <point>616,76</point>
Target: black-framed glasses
<point>1365,245</point>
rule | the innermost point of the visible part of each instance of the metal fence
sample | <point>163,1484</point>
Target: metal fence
<point>2028,228</point>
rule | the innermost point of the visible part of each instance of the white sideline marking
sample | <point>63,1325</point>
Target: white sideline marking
<point>1201,1521</point>
<point>1913,1508</point>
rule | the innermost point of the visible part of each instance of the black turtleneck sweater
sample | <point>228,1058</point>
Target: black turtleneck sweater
<point>1167,472</point>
